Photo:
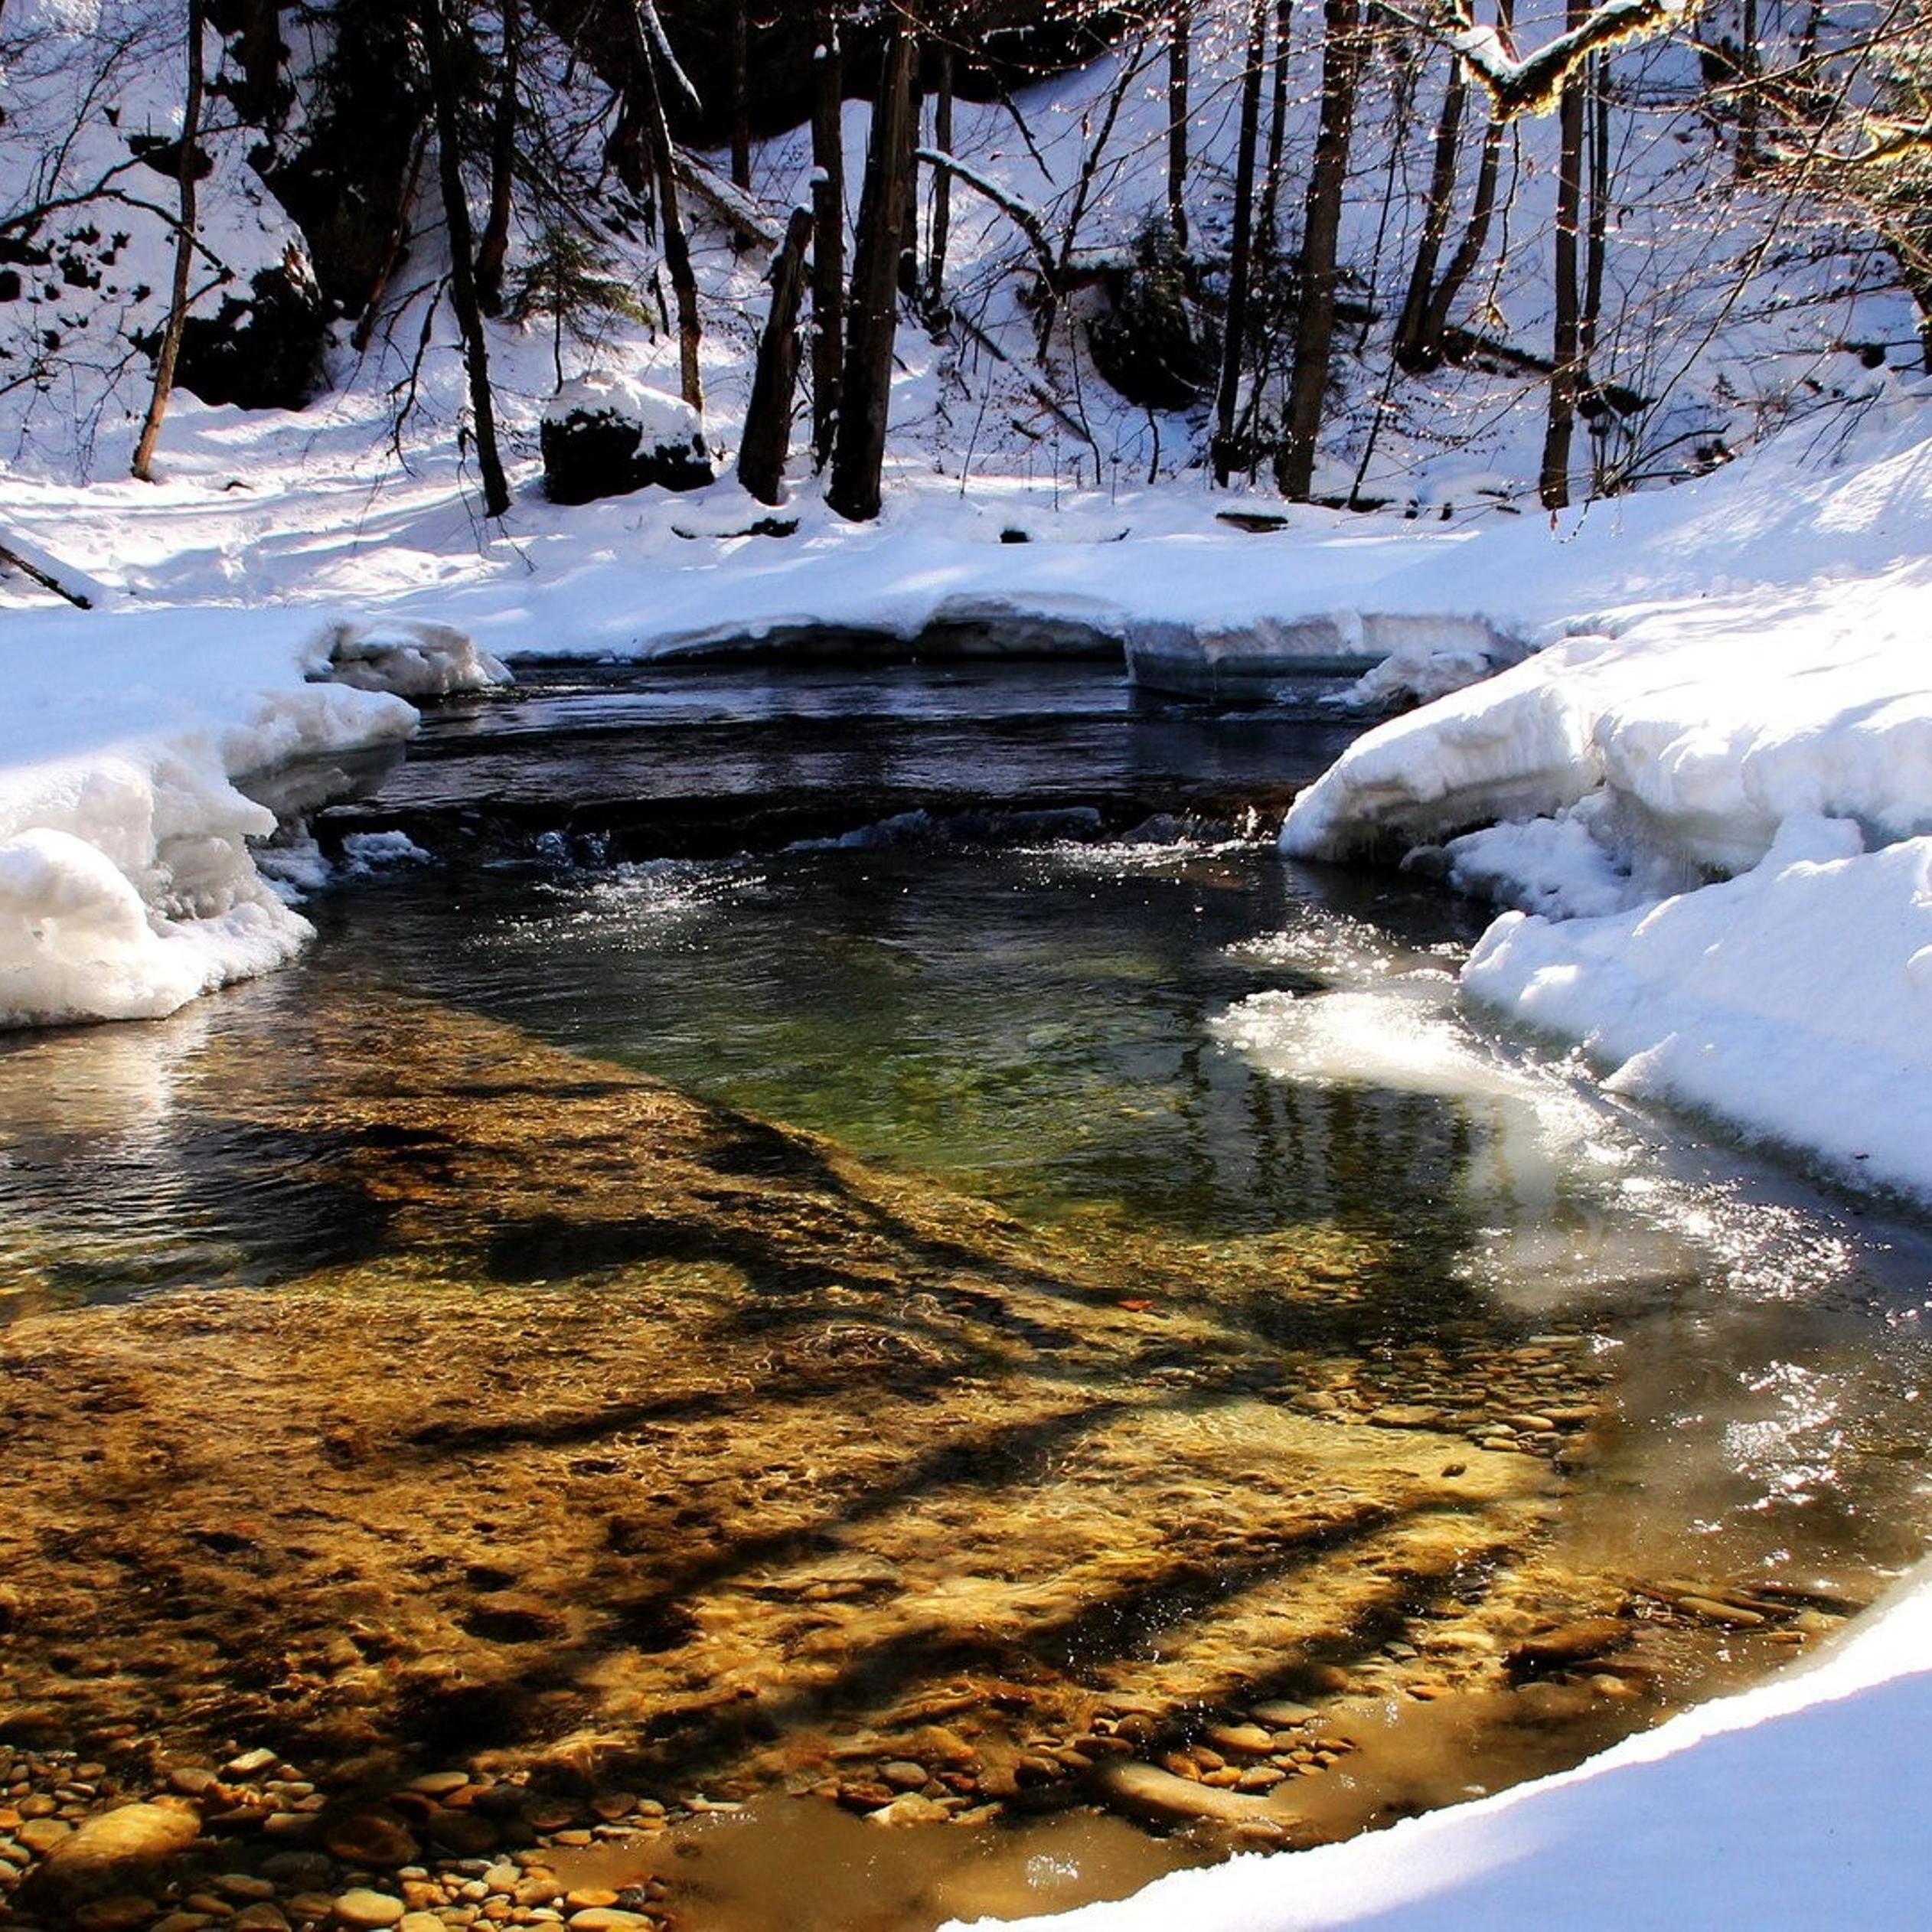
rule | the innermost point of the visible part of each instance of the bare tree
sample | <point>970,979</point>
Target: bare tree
<point>1535,84</point>
<point>1234,340</point>
<point>1314,334</point>
<point>828,233</point>
<point>1425,351</point>
<point>260,47</point>
<point>1411,331</point>
<point>494,250</point>
<point>444,89</point>
<point>1180,45</point>
<point>767,420</point>
<point>187,172</point>
<point>941,231</point>
<point>741,95</point>
<point>651,65</point>
<point>1566,375</point>
<point>1268,222</point>
<point>885,203</point>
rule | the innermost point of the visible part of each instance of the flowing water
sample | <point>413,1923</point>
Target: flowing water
<point>858,1243</point>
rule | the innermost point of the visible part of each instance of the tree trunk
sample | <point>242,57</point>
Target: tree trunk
<point>169,354</point>
<point>1234,337</point>
<point>1596,238</point>
<point>828,236</point>
<point>1566,379</point>
<point>1179,61</point>
<point>768,420</point>
<point>1266,229</point>
<point>671,216</point>
<point>1750,72</point>
<point>859,453</point>
<point>1411,331</point>
<point>462,259</point>
<point>261,61</point>
<point>493,250</point>
<point>1314,335</point>
<point>741,95</point>
<point>942,230</point>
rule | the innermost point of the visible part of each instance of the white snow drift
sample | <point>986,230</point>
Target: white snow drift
<point>127,885</point>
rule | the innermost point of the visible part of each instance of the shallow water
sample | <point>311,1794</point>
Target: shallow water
<point>1322,1346</point>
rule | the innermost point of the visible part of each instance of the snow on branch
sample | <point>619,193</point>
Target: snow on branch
<point>668,61</point>
<point>1024,217</point>
<point>1532,85</point>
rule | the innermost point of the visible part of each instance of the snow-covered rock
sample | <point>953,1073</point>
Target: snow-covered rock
<point>409,659</point>
<point>606,435</point>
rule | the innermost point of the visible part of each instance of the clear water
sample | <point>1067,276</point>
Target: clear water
<point>1149,1040</point>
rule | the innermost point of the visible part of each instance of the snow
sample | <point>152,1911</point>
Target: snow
<point>1714,807</point>
<point>128,885</point>
<point>409,659</point>
<point>663,421</point>
<point>1795,1001</point>
<point>1708,791</point>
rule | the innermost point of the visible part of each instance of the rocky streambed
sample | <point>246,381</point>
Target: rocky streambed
<point>631,1466</point>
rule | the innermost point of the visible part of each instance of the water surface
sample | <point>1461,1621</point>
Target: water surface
<point>1158,1307</point>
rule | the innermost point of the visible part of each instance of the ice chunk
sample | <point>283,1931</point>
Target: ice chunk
<point>409,659</point>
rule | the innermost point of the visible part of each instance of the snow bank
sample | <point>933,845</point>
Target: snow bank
<point>1779,741</point>
<point>1796,1001</point>
<point>1798,1804</point>
<point>1407,654</point>
<point>1706,724</point>
<point>127,885</point>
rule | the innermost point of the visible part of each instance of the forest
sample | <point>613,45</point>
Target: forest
<point>1296,246</point>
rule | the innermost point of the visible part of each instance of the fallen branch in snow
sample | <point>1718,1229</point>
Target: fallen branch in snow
<point>749,222</point>
<point>654,27</point>
<point>11,559</point>
<point>1026,219</point>
<point>1037,390</point>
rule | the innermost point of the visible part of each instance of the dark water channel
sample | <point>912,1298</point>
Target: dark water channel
<point>999,934</point>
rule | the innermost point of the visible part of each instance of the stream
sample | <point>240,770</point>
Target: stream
<point>844,1283</point>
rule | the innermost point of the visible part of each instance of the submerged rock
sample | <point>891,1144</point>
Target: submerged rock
<point>112,1854</point>
<point>1162,1798</point>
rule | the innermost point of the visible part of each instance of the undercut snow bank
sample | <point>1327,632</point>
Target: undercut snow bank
<point>1706,723</point>
<point>1409,656</point>
<point>127,885</point>
<point>1778,740</point>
